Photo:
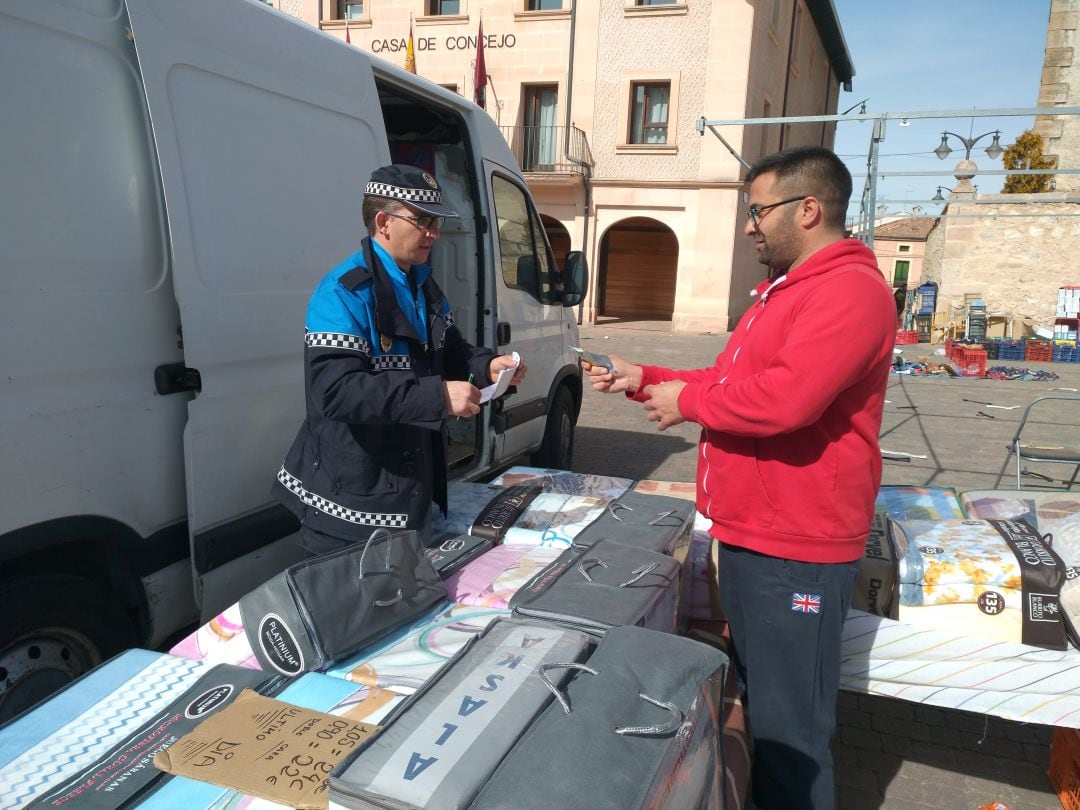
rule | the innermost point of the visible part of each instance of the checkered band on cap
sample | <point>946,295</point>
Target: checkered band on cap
<point>419,195</point>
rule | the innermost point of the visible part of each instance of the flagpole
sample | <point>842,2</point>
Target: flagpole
<point>348,41</point>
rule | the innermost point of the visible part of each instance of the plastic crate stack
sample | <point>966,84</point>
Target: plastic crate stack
<point>950,348</point>
<point>970,361</point>
<point>906,336</point>
<point>990,345</point>
<point>1038,351</point>
<point>1009,349</point>
<point>1065,352</point>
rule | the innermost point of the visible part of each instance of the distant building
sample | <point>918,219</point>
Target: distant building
<point>900,246</point>
<point>599,100</point>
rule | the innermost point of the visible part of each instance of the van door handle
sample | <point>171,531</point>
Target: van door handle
<point>174,378</point>
<point>502,333</point>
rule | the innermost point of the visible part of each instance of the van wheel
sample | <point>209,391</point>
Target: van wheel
<point>57,627</point>
<point>557,451</point>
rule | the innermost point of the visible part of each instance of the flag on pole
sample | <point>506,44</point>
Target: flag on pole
<point>480,77</point>
<point>410,52</point>
<point>348,40</point>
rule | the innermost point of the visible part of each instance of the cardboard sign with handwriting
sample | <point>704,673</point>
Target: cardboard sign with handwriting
<point>267,748</point>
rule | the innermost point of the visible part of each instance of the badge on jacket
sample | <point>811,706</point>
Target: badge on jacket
<point>386,343</point>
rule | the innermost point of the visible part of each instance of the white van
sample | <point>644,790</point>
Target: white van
<point>175,178</point>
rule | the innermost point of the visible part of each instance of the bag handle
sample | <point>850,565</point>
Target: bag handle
<point>670,727</point>
<point>637,574</point>
<point>371,539</point>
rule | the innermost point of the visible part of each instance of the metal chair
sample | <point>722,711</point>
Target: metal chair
<point>1055,454</point>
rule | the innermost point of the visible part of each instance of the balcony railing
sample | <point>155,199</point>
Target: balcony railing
<point>548,150</point>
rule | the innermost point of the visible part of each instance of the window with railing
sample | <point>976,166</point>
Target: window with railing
<point>649,112</point>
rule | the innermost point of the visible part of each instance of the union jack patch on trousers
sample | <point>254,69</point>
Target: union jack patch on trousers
<point>806,602</point>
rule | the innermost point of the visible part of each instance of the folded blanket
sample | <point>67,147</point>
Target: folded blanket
<point>554,520</point>
<point>945,552</point>
<point>221,640</point>
<point>498,574</point>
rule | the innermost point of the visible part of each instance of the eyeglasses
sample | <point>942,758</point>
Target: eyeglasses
<point>423,223</point>
<point>754,212</point>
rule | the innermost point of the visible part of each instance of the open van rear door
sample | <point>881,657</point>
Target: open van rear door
<point>266,131</point>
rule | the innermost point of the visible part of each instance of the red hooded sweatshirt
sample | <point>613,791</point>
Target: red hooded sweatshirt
<point>790,415</point>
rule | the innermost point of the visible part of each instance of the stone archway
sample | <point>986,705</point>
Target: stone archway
<point>639,257</point>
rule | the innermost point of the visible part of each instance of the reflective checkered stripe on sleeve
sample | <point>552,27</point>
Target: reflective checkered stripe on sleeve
<point>393,362</point>
<point>338,340</point>
<point>296,486</point>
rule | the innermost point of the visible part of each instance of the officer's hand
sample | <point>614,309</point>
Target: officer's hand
<point>462,398</point>
<point>625,377</point>
<point>506,361</point>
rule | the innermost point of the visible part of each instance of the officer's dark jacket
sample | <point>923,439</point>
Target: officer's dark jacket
<point>372,451</point>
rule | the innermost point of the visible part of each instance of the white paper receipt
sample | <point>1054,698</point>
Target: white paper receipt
<point>502,382</point>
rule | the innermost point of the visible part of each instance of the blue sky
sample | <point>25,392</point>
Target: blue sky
<point>919,55</point>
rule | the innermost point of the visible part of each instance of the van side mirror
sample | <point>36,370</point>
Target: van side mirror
<point>575,279</point>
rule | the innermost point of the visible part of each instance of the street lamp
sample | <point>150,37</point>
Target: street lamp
<point>993,151</point>
<point>939,197</point>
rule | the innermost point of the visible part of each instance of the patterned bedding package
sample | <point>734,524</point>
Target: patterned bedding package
<point>90,746</point>
<point>553,519</point>
<point>606,487</point>
<point>995,577</point>
<point>452,734</point>
<point>493,578</point>
<point>918,503</point>
<point>311,691</point>
<point>409,657</point>
<point>1056,516</point>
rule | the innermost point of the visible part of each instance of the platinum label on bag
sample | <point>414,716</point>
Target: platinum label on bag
<point>279,645</point>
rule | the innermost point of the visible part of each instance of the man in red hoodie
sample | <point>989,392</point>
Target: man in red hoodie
<point>789,464</point>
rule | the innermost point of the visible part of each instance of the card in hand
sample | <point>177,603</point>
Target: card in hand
<point>594,359</point>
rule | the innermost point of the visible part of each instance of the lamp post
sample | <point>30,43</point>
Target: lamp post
<point>966,168</point>
<point>993,151</point>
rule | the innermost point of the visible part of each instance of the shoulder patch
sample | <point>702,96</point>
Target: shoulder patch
<point>353,279</point>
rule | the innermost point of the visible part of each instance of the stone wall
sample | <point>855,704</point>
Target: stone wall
<point>1015,256</point>
<point>1060,86</point>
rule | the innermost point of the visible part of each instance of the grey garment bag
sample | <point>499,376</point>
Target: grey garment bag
<point>604,585</point>
<point>328,607</point>
<point>451,554</point>
<point>653,522</point>
<point>443,744</point>
<point>636,727</point>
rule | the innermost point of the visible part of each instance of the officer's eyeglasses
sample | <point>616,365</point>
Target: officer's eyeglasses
<point>422,222</point>
<point>755,212</point>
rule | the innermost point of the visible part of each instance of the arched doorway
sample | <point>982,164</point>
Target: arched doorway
<point>639,257</point>
<point>559,238</point>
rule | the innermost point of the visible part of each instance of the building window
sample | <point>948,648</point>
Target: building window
<point>649,112</point>
<point>900,272</point>
<point>904,249</point>
<point>543,5</point>
<point>444,8</point>
<point>655,2</point>
<point>451,87</point>
<point>351,9</point>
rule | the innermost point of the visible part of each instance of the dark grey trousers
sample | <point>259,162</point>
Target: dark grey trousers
<point>785,619</point>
